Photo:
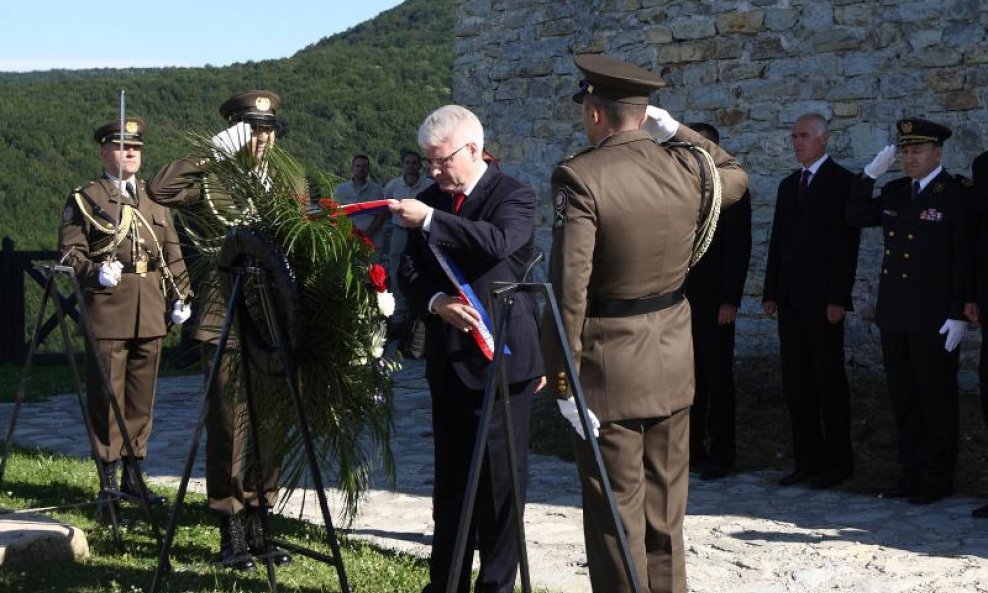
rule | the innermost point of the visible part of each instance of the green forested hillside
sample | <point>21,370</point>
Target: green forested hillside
<point>364,90</point>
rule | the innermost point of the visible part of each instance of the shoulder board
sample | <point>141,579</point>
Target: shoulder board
<point>965,181</point>
<point>573,156</point>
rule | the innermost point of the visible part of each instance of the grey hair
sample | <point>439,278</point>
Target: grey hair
<point>443,123</point>
<point>822,125</point>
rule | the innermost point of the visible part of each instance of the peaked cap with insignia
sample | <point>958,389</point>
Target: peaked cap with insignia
<point>918,131</point>
<point>254,107</point>
<point>133,132</point>
<point>615,79</point>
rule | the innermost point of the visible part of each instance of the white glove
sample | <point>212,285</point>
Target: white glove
<point>109,273</point>
<point>567,407</point>
<point>881,163</point>
<point>955,329</point>
<point>659,123</point>
<point>180,312</point>
<point>231,140</point>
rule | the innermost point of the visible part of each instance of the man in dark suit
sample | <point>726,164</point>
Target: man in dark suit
<point>714,287</point>
<point>923,295</point>
<point>481,221</point>
<point>812,258</point>
<point>979,170</point>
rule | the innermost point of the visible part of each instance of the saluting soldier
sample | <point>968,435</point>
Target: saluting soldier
<point>126,256</point>
<point>184,183</point>
<point>924,288</point>
<point>625,220</point>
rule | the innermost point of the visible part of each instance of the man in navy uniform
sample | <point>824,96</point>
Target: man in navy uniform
<point>812,258</point>
<point>924,290</point>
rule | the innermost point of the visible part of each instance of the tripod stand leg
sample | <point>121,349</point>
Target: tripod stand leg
<point>477,459</point>
<point>190,460</point>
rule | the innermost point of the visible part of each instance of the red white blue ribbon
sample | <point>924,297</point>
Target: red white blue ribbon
<point>481,332</point>
<point>369,207</point>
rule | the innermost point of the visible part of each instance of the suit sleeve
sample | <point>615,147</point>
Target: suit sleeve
<point>508,228</point>
<point>845,240</point>
<point>861,209</point>
<point>73,244</point>
<point>417,278</point>
<point>573,241</point>
<point>770,288</point>
<point>176,263</point>
<point>177,183</point>
<point>961,286</point>
<point>736,244</point>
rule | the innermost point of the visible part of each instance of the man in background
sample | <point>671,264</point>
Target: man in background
<point>361,188</point>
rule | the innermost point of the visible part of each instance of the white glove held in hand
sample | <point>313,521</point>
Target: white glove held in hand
<point>567,407</point>
<point>955,329</point>
<point>659,123</point>
<point>109,273</point>
<point>180,312</point>
<point>881,163</point>
<point>231,140</point>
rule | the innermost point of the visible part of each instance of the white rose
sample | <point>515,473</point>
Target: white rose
<point>386,303</point>
<point>378,340</point>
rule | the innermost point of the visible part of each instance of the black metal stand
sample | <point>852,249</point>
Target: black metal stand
<point>503,294</point>
<point>108,496</point>
<point>233,311</point>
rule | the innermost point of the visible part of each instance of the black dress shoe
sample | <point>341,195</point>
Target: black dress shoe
<point>924,497</point>
<point>828,479</point>
<point>981,512</point>
<point>715,471</point>
<point>258,543</point>
<point>233,545</point>
<point>800,475</point>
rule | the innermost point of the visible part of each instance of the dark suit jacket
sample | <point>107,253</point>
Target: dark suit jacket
<point>813,254</point>
<point>719,276</point>
<point>491,240</point>
<point>979,170</point>
<point>926,269</point>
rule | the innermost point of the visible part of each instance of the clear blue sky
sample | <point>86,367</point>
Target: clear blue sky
<point>46,34</point>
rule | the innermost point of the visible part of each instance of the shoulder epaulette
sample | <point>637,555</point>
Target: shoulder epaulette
<point>573,156</point>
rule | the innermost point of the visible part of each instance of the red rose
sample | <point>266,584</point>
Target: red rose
<point>365,238</point>
<point>378,277</point>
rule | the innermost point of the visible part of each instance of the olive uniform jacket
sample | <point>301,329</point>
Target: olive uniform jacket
<point>138,305</point>
<point>625,219</point>
<point>926,270</point>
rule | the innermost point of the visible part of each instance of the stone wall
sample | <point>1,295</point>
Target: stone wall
<point>749,67</point>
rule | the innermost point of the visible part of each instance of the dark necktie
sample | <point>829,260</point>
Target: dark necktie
<point>458,200</point>
<point>916,189</point>
<point>804,182</point>
<point>130,190</point>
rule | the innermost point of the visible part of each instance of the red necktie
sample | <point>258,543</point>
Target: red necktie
<point>458,200</point>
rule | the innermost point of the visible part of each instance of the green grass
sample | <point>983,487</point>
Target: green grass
<point>42,479</point>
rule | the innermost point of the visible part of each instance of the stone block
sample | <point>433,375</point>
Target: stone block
<point>845,109</point>
<point>739,70</point>
<point>742,22</point>
<point>730,117</point>
<point>681,53</point>
<point>38,540</point>
<point>780,19</point>
<point>960,100</point>
<point>658,34</point>
<point>859,14</point>
<point>945,79</point>
<point>692,27</point>
<point>837,39</point>
<point>767,48</point>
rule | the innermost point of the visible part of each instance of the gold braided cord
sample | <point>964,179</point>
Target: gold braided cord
<point>708,225</point>
<point>166,272</point>
<point>126,219</point>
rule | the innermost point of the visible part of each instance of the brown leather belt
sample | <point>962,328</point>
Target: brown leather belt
<point>632,307</point>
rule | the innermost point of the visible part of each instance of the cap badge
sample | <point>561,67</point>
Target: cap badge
<point>262,103</point>
<point>131,127</point>
<point>907,127</point>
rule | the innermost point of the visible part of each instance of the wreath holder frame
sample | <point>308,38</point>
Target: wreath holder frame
<point>268,282</point>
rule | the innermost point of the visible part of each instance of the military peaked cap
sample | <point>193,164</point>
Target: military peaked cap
<point>917,131</point>
<point>133,131</point>
<point>614,79</point>
<point>252,107</point>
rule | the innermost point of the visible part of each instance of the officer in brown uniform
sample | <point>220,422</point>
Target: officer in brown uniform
<point>229,484</point>
<point>626,212</point>
<point>127,259</point>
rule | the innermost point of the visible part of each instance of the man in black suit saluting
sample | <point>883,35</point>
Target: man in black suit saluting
<point>476,223</point>
<point>812,258</point>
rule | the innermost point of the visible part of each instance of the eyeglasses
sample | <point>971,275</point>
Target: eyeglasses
<point>443,161</point>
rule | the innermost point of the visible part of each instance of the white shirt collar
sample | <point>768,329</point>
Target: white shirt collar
<point>926,180</point>
<point>816,165</point>
<point>131,180</point>
<point>469,189</point>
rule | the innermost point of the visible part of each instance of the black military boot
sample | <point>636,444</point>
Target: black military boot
<point>137,488</point>
<point>110,492</point>
<point>233,547</point>
<point>257,543</point>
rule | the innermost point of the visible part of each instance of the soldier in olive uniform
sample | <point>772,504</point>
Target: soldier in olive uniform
<point>924,289</point>
<point>126,256</point>
<point>229,484</point>
<point>626,215</point>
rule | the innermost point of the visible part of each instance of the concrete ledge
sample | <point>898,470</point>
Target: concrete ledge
<point>32,539</point>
